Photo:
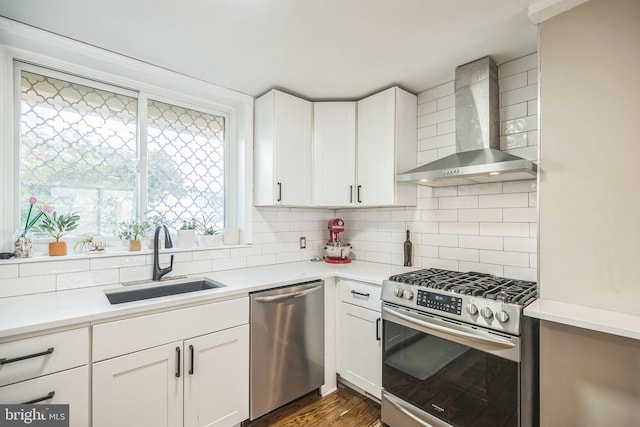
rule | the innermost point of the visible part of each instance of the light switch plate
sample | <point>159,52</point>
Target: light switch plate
<point>303,242</point>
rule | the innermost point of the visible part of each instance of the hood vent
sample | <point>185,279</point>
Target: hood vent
<point>478,158</point>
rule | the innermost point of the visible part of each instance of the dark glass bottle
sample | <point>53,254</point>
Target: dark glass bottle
<point>408,246</point>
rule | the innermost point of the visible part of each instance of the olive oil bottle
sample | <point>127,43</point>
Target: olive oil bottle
<point>408,247</point>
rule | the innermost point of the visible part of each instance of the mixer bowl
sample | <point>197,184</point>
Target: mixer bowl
<point>338,250</point>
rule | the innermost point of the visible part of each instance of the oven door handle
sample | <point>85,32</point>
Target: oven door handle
<point>498,342</point>
<point>397,404</point>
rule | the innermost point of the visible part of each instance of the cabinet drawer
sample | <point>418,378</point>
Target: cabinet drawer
<point>69,387</point>
<point>36,356</point>
<point>361,294</point>
<point>128,335</point>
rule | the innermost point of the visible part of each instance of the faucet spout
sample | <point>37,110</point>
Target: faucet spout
<point>157,271</point>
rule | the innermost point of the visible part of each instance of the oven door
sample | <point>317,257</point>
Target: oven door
<point>438,372</point>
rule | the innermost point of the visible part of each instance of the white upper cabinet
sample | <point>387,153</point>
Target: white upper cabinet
<point>357,150</point>
<point>334,153</point>
<point>387,145</point>
<point>282,150</point>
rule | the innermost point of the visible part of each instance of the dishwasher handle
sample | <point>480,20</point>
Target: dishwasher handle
<point>290,295</point>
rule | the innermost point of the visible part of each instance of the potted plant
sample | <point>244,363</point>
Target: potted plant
<point>155,221</point>
<point>133,231</point>
<point>206,231</point>
<point>56,226</point>
<point>187,233</point>
<point>91,244</point>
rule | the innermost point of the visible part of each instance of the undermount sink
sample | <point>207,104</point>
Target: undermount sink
<point>120,296</point>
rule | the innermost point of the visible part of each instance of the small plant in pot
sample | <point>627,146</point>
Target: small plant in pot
<point>133,231</point>
<point>206,231</point>
<point>56,226</point>
<point>155,221</point>
<point>187,233</point>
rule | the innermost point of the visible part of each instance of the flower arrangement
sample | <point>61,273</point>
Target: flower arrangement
<point>56,226</point>
<point>30,222</point>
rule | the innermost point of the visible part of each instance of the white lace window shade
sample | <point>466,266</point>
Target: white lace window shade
<point>80,151</point>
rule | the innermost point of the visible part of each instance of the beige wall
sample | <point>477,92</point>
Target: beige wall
<point>590,156</point>
<point>589,209</point>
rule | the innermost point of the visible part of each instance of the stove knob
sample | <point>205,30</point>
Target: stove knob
<point>398,292</point>
<point>472,309</point>
<point>408,294</point>
<point>486,313</point>
<point>502,316</point>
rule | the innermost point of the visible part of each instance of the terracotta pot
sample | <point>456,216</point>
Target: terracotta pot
<point>135,245</point>
<point>57,248</point>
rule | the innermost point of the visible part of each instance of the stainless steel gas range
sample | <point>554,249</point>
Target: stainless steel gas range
<point>457,351</point>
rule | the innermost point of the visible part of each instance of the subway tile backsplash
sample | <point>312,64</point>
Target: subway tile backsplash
<point>489,228</point>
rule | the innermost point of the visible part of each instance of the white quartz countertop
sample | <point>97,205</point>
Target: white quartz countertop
<point>610,322</point>
<point>33,313</point>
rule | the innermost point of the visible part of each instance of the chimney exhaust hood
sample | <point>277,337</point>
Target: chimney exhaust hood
<point>478,158</point>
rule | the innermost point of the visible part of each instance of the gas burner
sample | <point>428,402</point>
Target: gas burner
<point>472,283</point>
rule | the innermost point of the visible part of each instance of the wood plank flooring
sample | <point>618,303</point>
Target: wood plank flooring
<point>343,408</point>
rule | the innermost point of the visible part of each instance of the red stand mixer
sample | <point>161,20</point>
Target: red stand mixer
<point>337,251</point>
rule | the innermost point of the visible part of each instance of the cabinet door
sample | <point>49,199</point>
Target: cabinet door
<point>387,145</point>
<point>67,387</point>
<point>139,389</point>
<point>376,149</point>
<point>216,382</point>
<point>282,150</point>
<point>334,151</point>
<point>360,347</point>
<point>292,140</point>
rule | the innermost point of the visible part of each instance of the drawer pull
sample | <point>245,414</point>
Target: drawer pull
<point>191,359</point>
<point>4,360</point>
<point>362,294</point>
<point>40,399</point>
<point>177,362</point>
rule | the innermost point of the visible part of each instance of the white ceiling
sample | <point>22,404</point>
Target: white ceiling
<point>319,49</point>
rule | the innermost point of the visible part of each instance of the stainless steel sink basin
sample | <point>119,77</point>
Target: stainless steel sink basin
<point>120,296</point>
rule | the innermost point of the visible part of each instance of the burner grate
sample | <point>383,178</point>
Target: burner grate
<point>484,285</point>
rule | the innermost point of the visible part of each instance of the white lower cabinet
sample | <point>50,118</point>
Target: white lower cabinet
<point>201,380</point>
<point>359,336</point>
<point>69,387</point>
<point>51,368</point>
<point>139,389</point>
<point>216,384</point>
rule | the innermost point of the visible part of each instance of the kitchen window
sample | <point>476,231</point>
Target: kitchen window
<point>113,154</point>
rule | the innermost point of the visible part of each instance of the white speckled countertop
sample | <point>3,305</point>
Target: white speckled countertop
<point>33,313</point>
<point>609,322</point>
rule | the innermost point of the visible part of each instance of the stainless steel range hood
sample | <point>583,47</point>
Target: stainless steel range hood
<point>478,158</point>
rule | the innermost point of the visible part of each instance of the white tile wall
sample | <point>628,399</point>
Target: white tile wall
<point>486,227</point>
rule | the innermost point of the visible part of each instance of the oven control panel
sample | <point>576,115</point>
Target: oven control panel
<point>447,303</point>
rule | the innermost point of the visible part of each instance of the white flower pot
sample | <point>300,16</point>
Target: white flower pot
<point>208,240</point>
<point>186,238</point>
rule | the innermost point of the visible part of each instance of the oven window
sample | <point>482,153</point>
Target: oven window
<point>459,384</point>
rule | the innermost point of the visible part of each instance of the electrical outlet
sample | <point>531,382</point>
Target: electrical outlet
<point>303,242</point>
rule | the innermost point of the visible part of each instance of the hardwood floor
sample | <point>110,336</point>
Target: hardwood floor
<point>343,408</point>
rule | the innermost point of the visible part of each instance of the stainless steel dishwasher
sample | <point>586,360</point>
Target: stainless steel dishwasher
<point>287,345</point>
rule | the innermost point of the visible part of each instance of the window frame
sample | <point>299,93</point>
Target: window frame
<point>34,46</point>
